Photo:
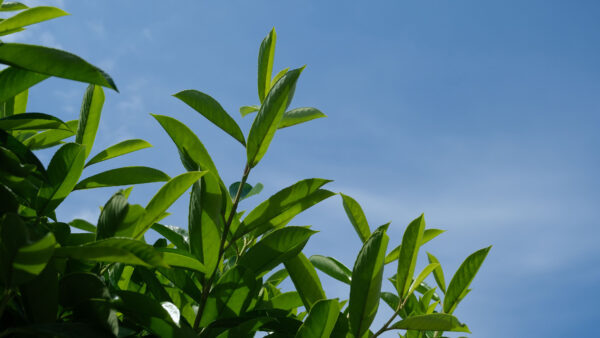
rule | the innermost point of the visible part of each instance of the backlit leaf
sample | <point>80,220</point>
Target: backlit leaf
<point>462,279</point>
<point>431,322</point>
<point>123,176</point>
<point>305,279</point>
<point>321,320</point>
<point>332,267</point>
<point>299,115</point>
<point>407,260</point>
<point>357,217</point>
<point>121,148</point>
<point>30,17</point>
<point>89,117</point>
<point>266,56</point>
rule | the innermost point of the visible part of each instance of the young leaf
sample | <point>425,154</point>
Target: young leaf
<point>438,274</point>
<point>275,248</point>
<point>332,267</point>
<point>266,56</point>
<point>52,62</point>
<point>463,278</point>
<point>123,176</point>
<point>431,322</point>
<point>357,217</point>
<point>121,148</point>
<point>14,80</point>
<point>30,17</point>
<point>212,110</point>
<point>89,117</point>
<point>421,277</point>
<point>245,110</point>
<point>32,121</point>
<point>321,320</point>
<point>269,116</point>
<point>163,199</point>
<point>428,235</point>
<point>305,279</point>
<point>278,76</point>
<point>299,115</point>
<point>366,282</point>
<point>411,241</point>
<point>63,172</point>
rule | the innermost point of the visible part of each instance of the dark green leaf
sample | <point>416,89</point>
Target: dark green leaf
<point>391,299</point>
<point>407,260</point>
<point>182,259</point>
<point>14,80</point>
<point>212,110</point>
<point>121,148</point>
<point>234,187</point>
<point>40,296</point>
<point>299,115</point>
<point>431,322</point>
<point>89,117</point>
<point>176,235</point>
<point>50,138</point>
<point>123,176</point>
<point>12,6</point>
<point>305,279</point>
<point>30,17</point>
<point>266,56</point>
<point>285,301</point>
<point>321,320</point>
<point>82,225</point>
<point>463,278</point>
<point>357,217</point>
<point>32,121</point>
<point>112,216</point>
<point>78,287</point>
<point>332,267</point>
<point>269,116</point>
<point>31,259</point>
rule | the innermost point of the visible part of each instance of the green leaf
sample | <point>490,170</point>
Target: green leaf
<point>32,121</point>
<point>285,301</point>
<point>438,273</point>
<point>421,277</point>
<point>283,206</point>
<point>234,187</point>
<point>63,172</point>
<point>277,277</point>
<point>431,322</point>
<point>463,278</point>
<point>266,56</point>
<point>275,248</point>
<point>50,138</point>
<point>391,299</point>
<point>321,320</point>
<point>305,279</point>
<point>163,199</point>
<point>269,116</point>
<point>206,221</point>
<point>212,110</point>
<point>14,80</point>
<point>428,235</point>
<point>332,267</point>
<point>121,148</point>
<point>29,17</point>
<point>76,288</point>
<point>82,225</point>
<point>245,110</point>
<point>407,260</point>
<point>176,235</point>
<point>123,176</point>
<point>366,282</point>
<point>12,6</point>
<point>278,76</point>
<point>89,117</point>
<point>183,281</point>
<point>25,155</point>
<point>299,115</point>
<point>115,250</point>
<point>51,62</point>
<point>32,258</point>
<point>182,259</point>
<point>112,216</point>
<point>357,217</point>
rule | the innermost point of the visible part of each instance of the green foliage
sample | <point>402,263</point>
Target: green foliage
<point>218,277</point>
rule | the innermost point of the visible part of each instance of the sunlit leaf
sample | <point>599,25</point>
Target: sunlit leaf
<point>30,17</point>
<point>332,267</point>
<point>32,121</point>
<point>462,279</point>
<point>299,115</point>
<point>305,279</point>
<point>431,322</point>
<point>14,80</point>
<point>122,176</point>
<point>411,242</point>
<point>121,148</point>
<point>321,320</point>
<point>357,217</point>
<point>266,56</point>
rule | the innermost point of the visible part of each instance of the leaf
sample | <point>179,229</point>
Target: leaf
<point>63,172</point>
<point>428,235</point>
<point>245,110</point>
<point>182,259</point>
<point>212,110</point>
<point>283,206</point>
<point>332,267</point>
<point>78,287</point>
<point>234,187</point>
<point>299,115</point>
<point>50,138</point>
<point>421,277</point>
<point>39,296</point>
<point>115,250</point>
<point>278,76</point>
<point>305,279</point>
<point>29,17</point>
<point>32,121</point>
<point>269,116</point>
<point>321,320</point>
<point>123,176</point>
<point>32,258</point>
<point>52,62</point>
<point>12,6</point>
<point>391,299</point>
<point>366,282</point>
<point>431,322</point>
<point>89,117</point>
<point>206,221</point>
<point>357,217</point>
<point>178,236</point>
<point>463,278</point>
<point>121,148</point>
<point>82,225</point>
<point>275,248</point>
<point>25,155</point>
<point>163,199</point>
<point>14,80</point>
<point>112,216</point>
<point>407,260</point>
<point>277,277</point>
<point>266,56</point>
<point>285,301</point>
<point>183,281</point>
<point>438,274</point>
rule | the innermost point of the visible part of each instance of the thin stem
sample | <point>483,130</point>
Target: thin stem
<point>385,327</point>
<point>208,284</point>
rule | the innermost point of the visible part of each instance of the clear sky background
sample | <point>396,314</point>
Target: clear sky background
<point>483,115</point>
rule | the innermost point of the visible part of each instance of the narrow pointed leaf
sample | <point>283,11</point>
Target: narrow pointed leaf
<point>391,299</point>
<point>428,235</point>
<point>462,279</point>
<point>245,110</point>
<point>163,199</point>
<point>82,224</point>
<point>269,116</point>
<point>112,216</point>
<point>421,277</point>
<point>25,155</point>
<point>266,56</point>
<point>305,279</point>
<point>332,267</point>
<point>176,235</point>
<point>14,80</point>
<point>123,176</point>
<point>89,117</point>
<point>30,17</point>
<point>206,221</point>
<point>278,76</point>
<point>407,260</point>
<point>32,121</point>
<point>50,138</point>
<point>321,320</point>
<point>438,273</point>
<point>12,6</point>
<point>366,282</point>
<point>121,148</point>
<point>63,172</point>
<point>357,217</point>
<point>212,110</point>
<point>432,322</point>
<point>299,115</point>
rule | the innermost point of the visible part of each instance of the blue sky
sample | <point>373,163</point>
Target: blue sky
<point>482,115</point>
